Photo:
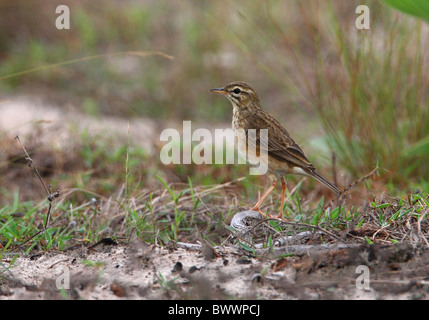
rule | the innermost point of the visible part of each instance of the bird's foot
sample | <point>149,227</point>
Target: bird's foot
<point>269,216</point>
<point>258,210</point>
<point>279,217</point>
<point>262,213</point>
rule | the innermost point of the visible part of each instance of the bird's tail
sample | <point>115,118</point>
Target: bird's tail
<point>327,183</point>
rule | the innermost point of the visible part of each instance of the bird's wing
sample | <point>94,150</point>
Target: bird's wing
<point>280,145</point>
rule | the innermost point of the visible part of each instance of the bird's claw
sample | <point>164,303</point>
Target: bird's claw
<point>266,215</point>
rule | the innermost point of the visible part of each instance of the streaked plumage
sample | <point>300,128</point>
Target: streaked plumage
<point>284,154</point>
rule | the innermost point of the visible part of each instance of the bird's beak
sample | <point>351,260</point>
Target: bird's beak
<point>219,90</point>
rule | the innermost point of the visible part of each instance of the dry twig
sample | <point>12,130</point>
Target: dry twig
<point>48,189</point>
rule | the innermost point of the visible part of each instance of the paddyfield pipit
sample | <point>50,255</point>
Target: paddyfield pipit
<point>284,155</point>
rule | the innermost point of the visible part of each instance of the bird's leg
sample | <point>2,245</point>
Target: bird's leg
<point>284,188</point>
<point>256,206</point>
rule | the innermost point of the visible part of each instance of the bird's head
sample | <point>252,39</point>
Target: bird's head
<point>241,95</point>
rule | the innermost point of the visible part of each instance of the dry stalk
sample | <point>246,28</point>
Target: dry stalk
<point>51,195</point>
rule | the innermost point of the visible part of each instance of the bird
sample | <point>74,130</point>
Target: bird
<point>284,155</point>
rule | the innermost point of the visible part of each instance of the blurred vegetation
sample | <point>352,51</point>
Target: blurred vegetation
<point>368,87</point>
<point>418,8</point>
<point>375,107</point>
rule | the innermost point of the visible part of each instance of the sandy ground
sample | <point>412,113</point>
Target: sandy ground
<point>24,115</point>
<point>141,271</point>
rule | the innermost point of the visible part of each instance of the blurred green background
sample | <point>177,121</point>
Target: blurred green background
<point>362,94</point>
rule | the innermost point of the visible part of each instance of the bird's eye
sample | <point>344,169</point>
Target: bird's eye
<point>236,91</point>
